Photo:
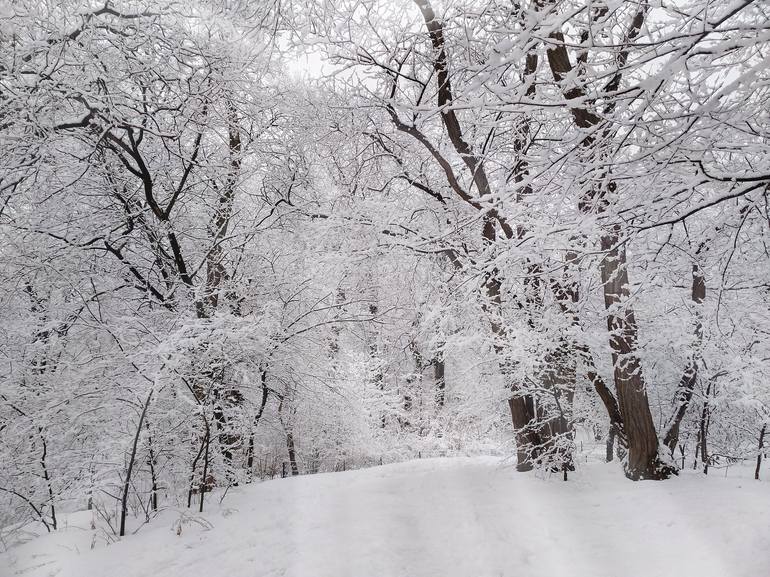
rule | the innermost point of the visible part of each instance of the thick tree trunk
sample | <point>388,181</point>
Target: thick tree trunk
<point>526,442</point>
<point>644,461</point>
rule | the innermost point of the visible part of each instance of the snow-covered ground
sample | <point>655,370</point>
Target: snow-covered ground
<point>459,517</point>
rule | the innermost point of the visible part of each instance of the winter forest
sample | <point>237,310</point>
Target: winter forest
<point>436,243</point>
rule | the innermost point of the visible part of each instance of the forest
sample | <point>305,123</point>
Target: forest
<point>251,240</point>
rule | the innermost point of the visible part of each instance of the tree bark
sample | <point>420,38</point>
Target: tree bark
<point>153,476</point>
<point>759,451</point>
<point>704,429</point>
<point>289,430</point>
<point>439,379</point>
<point>47,478</point>
<point>643,458</point>
<point>292,453</point>
<point>205,485</point>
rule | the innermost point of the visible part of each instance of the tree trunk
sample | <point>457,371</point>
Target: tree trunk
<point>413,388</point>
<point>558,379</point>
<point>205,482</point>
<point>129,470</point>
<point>759,451</point>
<point>439,380</point>
<point>153,476</point>
<point>690,375</point>
<point>292,454</point>
<point>377,377</point>
<point>192,488</point>
<point>704,429</point>
<point>520,416</point>
<point>47,477</point>
<point>644,461</point>
<point>610,449</point>
<point>257,417</point>
<point>288,429</point>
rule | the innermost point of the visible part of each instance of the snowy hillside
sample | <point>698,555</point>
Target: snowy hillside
<point>438,518</point>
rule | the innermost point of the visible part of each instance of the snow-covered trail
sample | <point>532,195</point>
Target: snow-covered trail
<point>440,518</point>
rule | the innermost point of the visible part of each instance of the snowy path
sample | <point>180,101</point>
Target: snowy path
<point>441,518</point>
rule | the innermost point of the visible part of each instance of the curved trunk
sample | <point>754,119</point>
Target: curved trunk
<point>644,461</point>
<point>690,376</point>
